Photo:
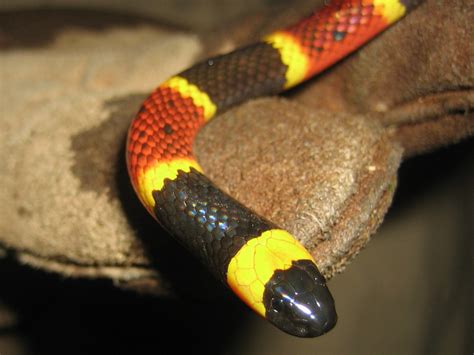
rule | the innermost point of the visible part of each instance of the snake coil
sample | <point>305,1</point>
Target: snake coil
<point>263,264</point>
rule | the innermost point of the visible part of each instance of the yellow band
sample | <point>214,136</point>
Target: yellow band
<point>153,178</point>
<point>186,89</point>
<point>391,10</point>
<point>256,262</point>
<point>291,55</point>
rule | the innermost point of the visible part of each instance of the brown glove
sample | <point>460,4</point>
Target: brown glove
<point>320,162</point>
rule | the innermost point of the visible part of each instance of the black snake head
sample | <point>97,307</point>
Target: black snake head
<point>298,301</point>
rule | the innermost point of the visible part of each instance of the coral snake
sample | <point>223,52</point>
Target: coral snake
<point>263,265</point>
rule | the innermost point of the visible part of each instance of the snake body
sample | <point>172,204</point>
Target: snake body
<point>262,263</point>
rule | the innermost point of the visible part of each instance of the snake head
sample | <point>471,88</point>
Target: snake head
<point>298,301</point>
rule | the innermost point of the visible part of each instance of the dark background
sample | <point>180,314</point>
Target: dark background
<point>408,292</point>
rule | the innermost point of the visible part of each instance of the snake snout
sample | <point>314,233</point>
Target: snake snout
<point>298,301</point>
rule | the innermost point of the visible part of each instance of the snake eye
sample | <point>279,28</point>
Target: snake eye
<point>298,301</point>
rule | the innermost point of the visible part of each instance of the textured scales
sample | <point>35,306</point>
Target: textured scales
<point>263,264</point>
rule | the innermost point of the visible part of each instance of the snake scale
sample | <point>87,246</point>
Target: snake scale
<point>261,263</point>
